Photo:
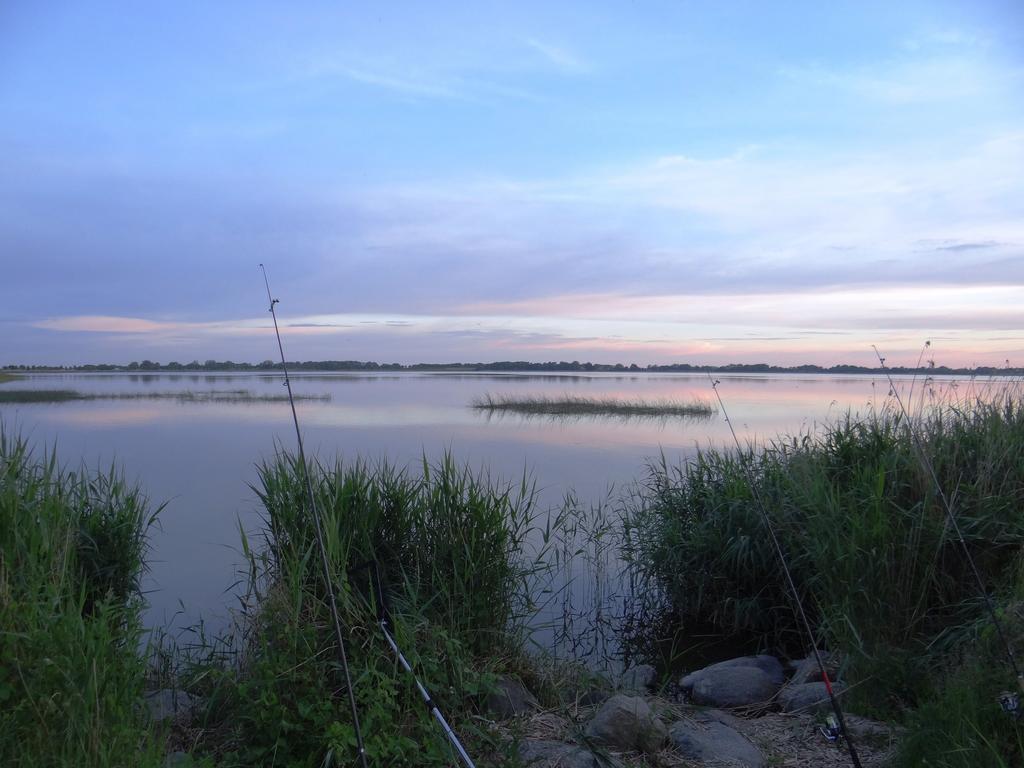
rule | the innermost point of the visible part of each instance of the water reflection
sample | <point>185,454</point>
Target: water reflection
<point>103,417</point>
<point>201,456</point>
<point>574,378</point>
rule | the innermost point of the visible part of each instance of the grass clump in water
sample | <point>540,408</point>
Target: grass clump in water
<point>575,405</point>
<point>448,542</point>
<point>39,395</point>
<point>71,554</point>
<point>233,396</point>
<point>878,568</point>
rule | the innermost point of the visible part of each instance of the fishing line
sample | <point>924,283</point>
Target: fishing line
<point>1010,702</point>
<point>831,733</point>
<point>318,527</point>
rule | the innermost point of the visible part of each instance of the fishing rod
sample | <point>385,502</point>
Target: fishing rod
<point>1010,702</point>
<point>318,527</point>
<point>833,730</point>
<point>384,623</point>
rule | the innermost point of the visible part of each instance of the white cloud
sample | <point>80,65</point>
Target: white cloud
<point>741,217</point>
<point>947,37</point>
<point>406,85</point>
<point>939,80</point>
<point>561,57</point>
<point>837,326</point>
<point>393,78</point>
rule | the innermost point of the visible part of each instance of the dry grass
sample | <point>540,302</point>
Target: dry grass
<point>784,740</point>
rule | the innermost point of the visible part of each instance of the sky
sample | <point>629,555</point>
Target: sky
<point>635,182</point>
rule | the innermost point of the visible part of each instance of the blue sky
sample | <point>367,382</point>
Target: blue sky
<point>641,182</point>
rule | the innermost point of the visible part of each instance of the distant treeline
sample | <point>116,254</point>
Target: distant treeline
<point>514,365</point>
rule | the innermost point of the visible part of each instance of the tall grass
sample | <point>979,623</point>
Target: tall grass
<point>448,542</point>
<point>867,540</point>
<point>71,553</point>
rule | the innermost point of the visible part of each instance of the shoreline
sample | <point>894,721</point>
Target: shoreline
<point>453,549</point>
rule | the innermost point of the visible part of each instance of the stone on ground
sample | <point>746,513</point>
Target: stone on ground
<point>807,697</point>
<point>808,671</point>
<point>542,753</point>
<point>770,665</point>
<point>720,715</point>
<point>627,722</point>
<point>510,699</point>
<point>733,687</point>
<point>638,679</point>
<point>708,740</point>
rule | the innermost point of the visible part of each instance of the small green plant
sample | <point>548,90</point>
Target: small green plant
<point>962,725</point>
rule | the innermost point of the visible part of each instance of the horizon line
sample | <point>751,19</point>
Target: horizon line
<point>551,366</point>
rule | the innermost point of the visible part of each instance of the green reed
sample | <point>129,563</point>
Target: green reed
<point>72,546</point>
<point>867,540</point>
<point>449,543</point>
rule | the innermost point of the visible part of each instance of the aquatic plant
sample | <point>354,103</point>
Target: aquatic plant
<point>868,543</point>
<point>187,396</point>
<point>448,542</point>
<point>72,546</point>
<point>576,405</point>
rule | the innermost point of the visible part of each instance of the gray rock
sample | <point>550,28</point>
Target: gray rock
<point>178,760</point>
<point>807,697</point>
<point>718,715</point>
<point>770,665</point>
<point>540,753</point>
<point>510,699</point>
<point>715,742</point>
<point>170,704</point>
<point>808,671</point>
<point>627,722</point>
<point>733,687</point>
<point>638,679</point>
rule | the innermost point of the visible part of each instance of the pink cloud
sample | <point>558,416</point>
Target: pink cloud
<point>106,324</point>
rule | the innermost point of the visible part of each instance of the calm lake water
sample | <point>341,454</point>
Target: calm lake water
<point>200,457</point>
